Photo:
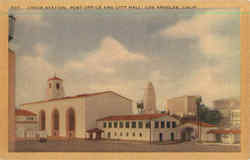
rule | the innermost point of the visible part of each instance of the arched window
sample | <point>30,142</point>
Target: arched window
<point>42,120</point>
<point>55,118</point>
<point>70,122</point>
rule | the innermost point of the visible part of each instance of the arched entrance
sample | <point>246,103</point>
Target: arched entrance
<point>172,136</point>
<point>109,135</point>
<point>70,123</point>
<point>42,118</point>
<point>160,137</point>
<point>55,123</point>
<point>187,134</point>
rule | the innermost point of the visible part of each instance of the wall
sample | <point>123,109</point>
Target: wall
<point>165,131</point>
<point>203,131</point>
<point>103,105</point>
<point>176,105</point>
<point>144,131</point>
<point>191,104</point>
<point>62,106</point>
<point>29,128</point>
<point>11,101</point>
<point>182,105</point>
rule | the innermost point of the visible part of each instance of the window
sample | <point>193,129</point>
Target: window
<point>109,135</point>
<point>49,85</point>
<point>121,134</point>
<point>174,124</point>
<point>115,124</point>
<point>140,124</point>
<point>29,118</point>
<point>134,124</point>
<point>110,124</point>
<point>57,86</point>
<point>127,124</point>
<point>148,124</point>
<point>156,124</point>
<point>70,119</point>
<point>115,134</point>
<point>42,120</point>
<point>127,134</point>
<point>162,124</point>
<point>104,124</point>
<point>121,125</point>
<point>133,133</point>
<point>55,119</point>
<point>140,134</point>
<point>168,124</point>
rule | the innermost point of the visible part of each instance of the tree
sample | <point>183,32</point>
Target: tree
<point>163,112</point>
<point>205,114</point>
<point>140,107</point>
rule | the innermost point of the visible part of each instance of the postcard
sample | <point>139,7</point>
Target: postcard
<point>126,79</point>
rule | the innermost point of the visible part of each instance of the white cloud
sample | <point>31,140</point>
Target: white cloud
<point>40,49</point>
<point>202,27</point>
<point>31,78</point>
<point>103,62</point>
<point>206,83</point>
<point>110,54</point>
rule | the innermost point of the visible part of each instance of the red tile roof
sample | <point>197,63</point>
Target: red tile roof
<point>22,112</point>
<point>224,131</point>
<point>203,124</point>
<point>77,96</point>
<point>54,78</point>
<point>133,117</point>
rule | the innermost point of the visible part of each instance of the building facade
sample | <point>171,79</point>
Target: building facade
<point>143,127</point>
<point>198,131</point>
<point>230,111</point>
<point>149,99</point>
<point>226,136</point>
<point>184,105</point>
<point>70,117</point>
<point>26,125</point>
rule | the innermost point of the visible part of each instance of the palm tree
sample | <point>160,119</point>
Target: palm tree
<point>140,107</point>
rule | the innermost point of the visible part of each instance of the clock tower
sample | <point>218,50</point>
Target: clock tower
<point>55,88</point>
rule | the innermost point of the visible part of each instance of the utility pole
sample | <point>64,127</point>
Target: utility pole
<point>198,104</point>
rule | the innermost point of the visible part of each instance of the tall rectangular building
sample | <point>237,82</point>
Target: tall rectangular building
<point>184,105</point>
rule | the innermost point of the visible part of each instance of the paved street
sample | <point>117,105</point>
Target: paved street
<point>116,146</point>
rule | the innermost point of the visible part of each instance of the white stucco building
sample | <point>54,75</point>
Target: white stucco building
<point>140,127</point>
<point>226,136</point>
<point>72,116</point>
<point>26,125</point>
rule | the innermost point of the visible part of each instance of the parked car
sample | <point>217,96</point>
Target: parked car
<point>43,136</point>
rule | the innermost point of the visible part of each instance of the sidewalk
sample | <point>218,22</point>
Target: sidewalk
<point>223,144</point>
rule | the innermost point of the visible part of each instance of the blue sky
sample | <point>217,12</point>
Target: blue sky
<point>183,52</point>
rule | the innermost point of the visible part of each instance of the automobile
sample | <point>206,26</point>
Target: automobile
<point>43,136</point>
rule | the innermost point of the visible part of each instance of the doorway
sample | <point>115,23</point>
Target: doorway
<point>160,137</point>
<point>70,123</point>
<point>186,134</point>
<point>172,136</point>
